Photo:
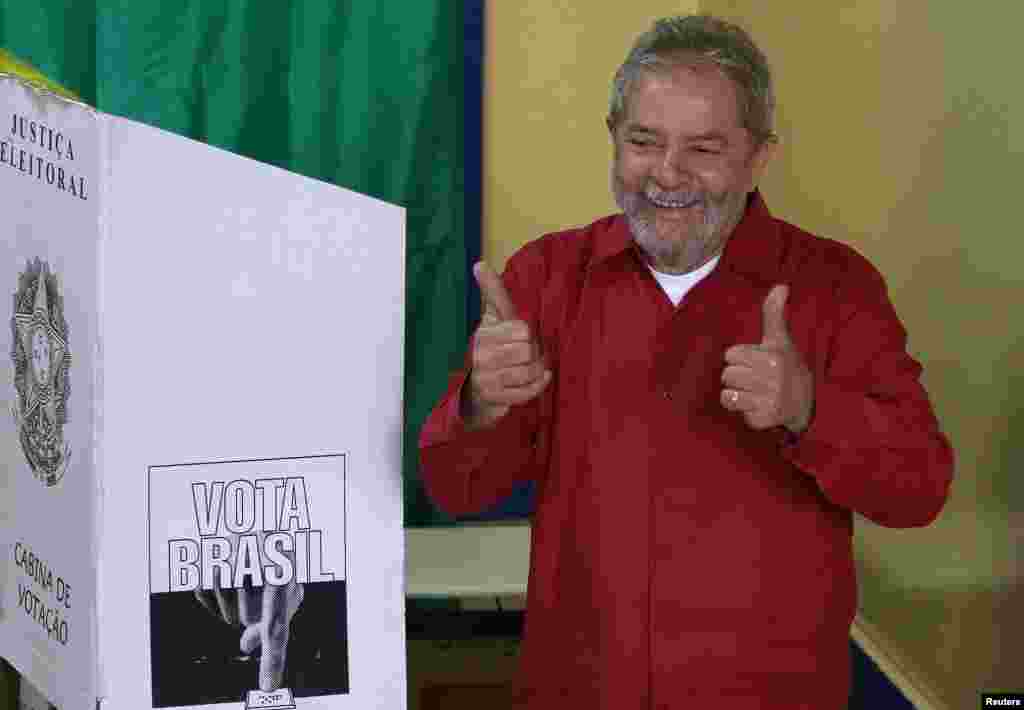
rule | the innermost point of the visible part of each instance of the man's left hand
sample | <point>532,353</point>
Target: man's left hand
<point>769,383</point>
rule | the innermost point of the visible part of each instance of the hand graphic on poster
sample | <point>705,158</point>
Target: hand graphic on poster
<point>264,614</point>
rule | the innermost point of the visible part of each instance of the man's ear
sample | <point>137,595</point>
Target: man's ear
<point>610,122</point>
<point>762,155</point>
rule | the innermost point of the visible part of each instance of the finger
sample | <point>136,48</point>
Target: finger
<point>227,600</point>
<point>274,606</point>
<point>519,395</point>
<point>490,383</point>
<point>296,594</point>
<point>249,604</point>
<point>759,380</point>
<point>738,401</point>
<point>506,355</point>
<point>274,637</point>
<point>208,600</point>
<point>741,355</point>
<point>493,291</point>
<point>489,317</point>
<point>250,640</point>
<point>775,330</point>
<point>504,333</point>
<point>739,377</point>
<point>521,375</point>
<point>762,360</point>
<point>507,331</point>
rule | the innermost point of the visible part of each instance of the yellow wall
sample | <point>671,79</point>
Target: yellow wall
<point>901,129</point>
<point>902,134</point>
<point>548,74</point>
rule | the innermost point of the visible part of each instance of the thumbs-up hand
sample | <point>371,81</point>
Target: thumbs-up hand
<point>770,383</point>
<point>507,366</point>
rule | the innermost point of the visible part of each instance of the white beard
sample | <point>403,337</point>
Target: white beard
<point>705,240</point>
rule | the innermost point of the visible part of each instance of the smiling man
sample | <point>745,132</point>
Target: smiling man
<point>704,395</point>
<point>685,159</point>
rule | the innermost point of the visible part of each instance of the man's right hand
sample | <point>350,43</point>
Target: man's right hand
<point>507,366</point>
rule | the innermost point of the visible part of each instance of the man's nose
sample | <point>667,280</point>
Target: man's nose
<point>672,171</point>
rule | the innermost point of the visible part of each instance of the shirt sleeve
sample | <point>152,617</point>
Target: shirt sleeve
<point>464,471</point>
<point>874,444</point>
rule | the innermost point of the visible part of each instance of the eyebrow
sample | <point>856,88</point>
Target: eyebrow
<point>634,128</point>
<point>709,137</point>
<point>699,138</point>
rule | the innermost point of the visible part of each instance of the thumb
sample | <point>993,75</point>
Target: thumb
<point>495,295</point>
<point>776,331</point>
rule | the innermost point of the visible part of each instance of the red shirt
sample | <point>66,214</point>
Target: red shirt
<point>681,559</point>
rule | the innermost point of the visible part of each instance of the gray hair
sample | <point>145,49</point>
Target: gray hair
<point>702,39</point>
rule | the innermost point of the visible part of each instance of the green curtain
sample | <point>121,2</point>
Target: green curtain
<point>363,94</point>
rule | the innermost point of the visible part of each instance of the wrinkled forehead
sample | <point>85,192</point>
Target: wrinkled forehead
<point>675,84</point>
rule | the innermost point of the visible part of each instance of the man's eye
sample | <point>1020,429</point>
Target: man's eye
<point>642,142</point>
<point>707,150</point>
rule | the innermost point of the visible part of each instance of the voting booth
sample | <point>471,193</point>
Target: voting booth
<point>200,423</point>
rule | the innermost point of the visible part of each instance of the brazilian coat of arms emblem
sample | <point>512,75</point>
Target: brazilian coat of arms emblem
<point>42,364</point>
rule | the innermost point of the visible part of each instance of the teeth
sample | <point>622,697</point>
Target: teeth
<point>671,204</point>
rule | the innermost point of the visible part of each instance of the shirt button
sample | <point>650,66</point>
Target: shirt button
<point>667,394</point>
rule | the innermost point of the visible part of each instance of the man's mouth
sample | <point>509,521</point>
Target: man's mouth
<point>672,203</point>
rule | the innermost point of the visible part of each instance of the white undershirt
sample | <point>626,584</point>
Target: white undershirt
<point>675,286</point>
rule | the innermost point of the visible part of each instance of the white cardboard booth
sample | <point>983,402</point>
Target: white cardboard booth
<point>200,423</point>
